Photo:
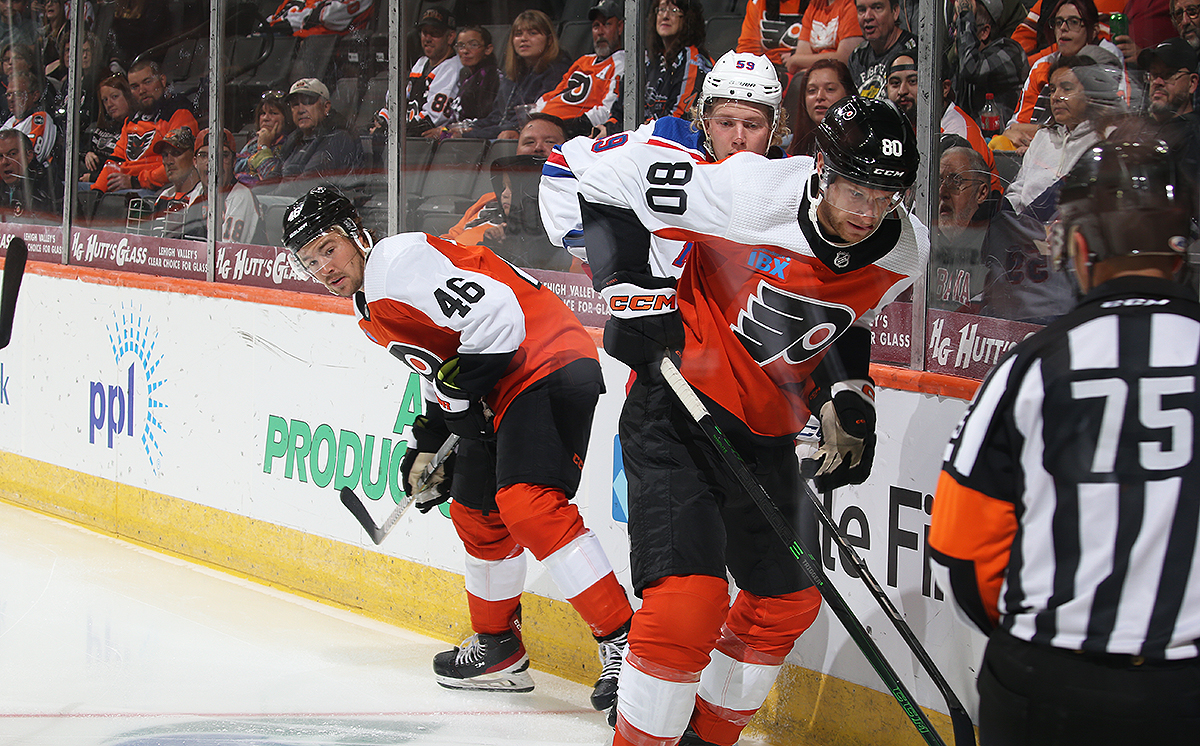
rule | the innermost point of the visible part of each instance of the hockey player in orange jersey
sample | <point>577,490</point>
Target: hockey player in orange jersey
<point>791,261</point>
<point>503,362</point>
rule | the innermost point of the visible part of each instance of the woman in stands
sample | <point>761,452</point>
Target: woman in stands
<point>258,160</point>
<point>827,81</point>
<point>677,60</point>
<point>116,105</point>
<point>51,37</point>
<point>534,63</point>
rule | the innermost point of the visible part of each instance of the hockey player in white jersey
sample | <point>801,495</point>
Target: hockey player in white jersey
<point>503,363</point>
<point>739,108</point>
<point>791,260</point>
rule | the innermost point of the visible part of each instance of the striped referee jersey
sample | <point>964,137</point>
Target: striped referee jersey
<point>1068,506</point>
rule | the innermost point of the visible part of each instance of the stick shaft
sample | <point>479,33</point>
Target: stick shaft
<point>806,559</point>
<point>14,270</point>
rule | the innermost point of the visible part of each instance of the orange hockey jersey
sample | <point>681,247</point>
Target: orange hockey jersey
<point>428,300</point>
<point>134,153</point>
<point>589,89</point>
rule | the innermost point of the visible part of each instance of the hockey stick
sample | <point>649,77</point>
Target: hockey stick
<point>964,730</point>
<point>812,567</point>
<point>14,270</point>
<point>379,533</point>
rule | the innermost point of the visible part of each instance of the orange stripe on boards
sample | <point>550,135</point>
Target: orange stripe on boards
<point>903,379</point>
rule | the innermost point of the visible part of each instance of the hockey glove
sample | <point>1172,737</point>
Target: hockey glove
<point>437,488</point>
<point>645,321</point>
<point>466,416</point>
<point>847,414</point>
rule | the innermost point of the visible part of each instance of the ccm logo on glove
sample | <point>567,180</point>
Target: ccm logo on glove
<point>626,300</point>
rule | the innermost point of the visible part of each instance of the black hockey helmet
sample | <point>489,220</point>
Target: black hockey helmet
<point>1127,199</point>
<point>868,141</point>
<point>322,208</point>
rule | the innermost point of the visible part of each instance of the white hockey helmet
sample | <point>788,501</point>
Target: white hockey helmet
<point>743,77</point>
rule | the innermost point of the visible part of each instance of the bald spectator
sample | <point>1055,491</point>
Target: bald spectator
<point>25,184</point>
<point>134,164</point>
<point>24,97</point>
<point>317,147</point>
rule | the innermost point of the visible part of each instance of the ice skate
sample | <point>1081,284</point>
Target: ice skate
<point>485,662</point>
<point>690,738</point>
<point>612,652</point>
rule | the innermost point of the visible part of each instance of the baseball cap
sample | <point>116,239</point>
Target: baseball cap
<point>607,9</point>
<point>1175,53</point>
<point>181,139</point>
<point>436,17</point>
<point>308,85</point>
<point>994,8</point>
<point>226,135</point>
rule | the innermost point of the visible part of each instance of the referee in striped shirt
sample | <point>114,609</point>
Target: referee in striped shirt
<point>1067,511</point>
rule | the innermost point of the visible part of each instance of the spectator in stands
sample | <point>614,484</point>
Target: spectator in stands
<point>16,27</point>
<point>116,107</point>
<point>902,91</point>
<point>1185,16</point>
<point>988,62</point>
<point>302,18</point>
<point>25,184</point>
<point>433,78</point>
<point>483,223</point>
<point>259,160</point>
<point>317,146</point>
<point>14,58</point>
<point>1171,67</point>
<point>134,164</point>
<point>241,219</point>
<point>1149,24</point>
<point>1076,24</point>
<point>89,107</point>
<point>584,97</point>
<point>1036,33</point>
<point>827,81</point>
<point>24,94</point>
<point>1086,104</point>
<point>51,36</point>
<point>138,25</point>
<point>176,207</point>
<point>478,79</point>
<point>772,28</point>
<point>885,40</point>
<point>676,63</point>
<point>830,28</point>
<point>534,63</point>
<point>956,277</point>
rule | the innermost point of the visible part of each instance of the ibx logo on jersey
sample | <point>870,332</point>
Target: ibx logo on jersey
<point>769,263</point>
<point>130,408</point>
<point>778,323</point>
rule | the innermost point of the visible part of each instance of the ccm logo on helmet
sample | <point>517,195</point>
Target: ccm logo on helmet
<point>887,172</point>
<point>641,303</point>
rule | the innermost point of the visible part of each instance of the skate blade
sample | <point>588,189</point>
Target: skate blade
<point>507,681</point>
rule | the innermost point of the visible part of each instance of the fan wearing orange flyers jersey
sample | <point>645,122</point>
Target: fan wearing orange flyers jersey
<point>792,259</point>
<point>590,87</point>
<point>503,363</point>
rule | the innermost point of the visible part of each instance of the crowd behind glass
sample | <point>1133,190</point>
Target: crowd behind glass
<point>492,85</point>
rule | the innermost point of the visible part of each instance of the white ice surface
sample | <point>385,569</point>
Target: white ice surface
<point>106,643</point>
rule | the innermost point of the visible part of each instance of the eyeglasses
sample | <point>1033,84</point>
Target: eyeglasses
<point>668,10</point>
<point>17,94</point>
<point>956,182</point>
<point>1166,77</point>
<point>306,99</point>
<point>272,95</point>
<point>1074,23</point>
<point>1191,11</point>
<point>464,46</point>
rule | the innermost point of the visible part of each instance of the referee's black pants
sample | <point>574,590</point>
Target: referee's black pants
<point>1032,694</point>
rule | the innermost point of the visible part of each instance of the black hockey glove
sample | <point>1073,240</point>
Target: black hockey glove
<point>466,415</point>
<point>437,488</point>
<point>847,414</point>
<point>645,321</point>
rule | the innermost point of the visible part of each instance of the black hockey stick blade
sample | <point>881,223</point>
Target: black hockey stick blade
<point>812,567</point>
<point>14,270</point>
<point>355,506</point>
<point>964,729</point>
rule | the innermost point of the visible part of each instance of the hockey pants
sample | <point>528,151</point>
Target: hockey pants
<point>694,659</point>
<point>542,520</point>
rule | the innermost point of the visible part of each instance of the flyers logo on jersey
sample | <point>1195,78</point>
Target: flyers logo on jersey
<point>777,324</point>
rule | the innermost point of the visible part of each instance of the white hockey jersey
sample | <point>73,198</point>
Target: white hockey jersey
<point>762,294</point>
<point>431,92</point>
<point>558,197</point>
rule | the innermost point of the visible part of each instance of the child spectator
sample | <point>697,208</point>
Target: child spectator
<point>478,79</point>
